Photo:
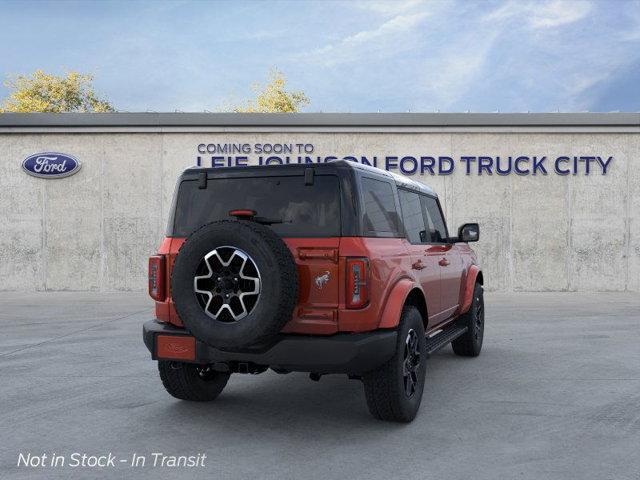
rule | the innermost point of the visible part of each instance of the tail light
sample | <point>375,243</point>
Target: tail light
<point>157,277</point>
<point>357,282</point>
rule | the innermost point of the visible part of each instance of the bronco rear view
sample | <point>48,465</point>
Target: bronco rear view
<point>327,268</point>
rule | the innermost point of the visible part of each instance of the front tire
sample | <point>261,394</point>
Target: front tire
<point>470,344</point>
<point>394,390</point>
<point>186,381</point>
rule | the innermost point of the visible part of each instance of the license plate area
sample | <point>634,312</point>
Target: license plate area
<point>175,347</point>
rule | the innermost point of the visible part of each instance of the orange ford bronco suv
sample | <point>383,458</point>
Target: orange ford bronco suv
<point>328,268</point>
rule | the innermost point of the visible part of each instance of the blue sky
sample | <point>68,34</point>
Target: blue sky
<point>348,56</point>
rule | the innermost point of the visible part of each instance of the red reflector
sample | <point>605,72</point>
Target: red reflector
<point>177,347</point>
<point>357,282</point>
<point>157,277</point>
<point>242,213</point>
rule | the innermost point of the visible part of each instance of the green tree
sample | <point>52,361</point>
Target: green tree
<point>42,92</point>
<point>273,97</point>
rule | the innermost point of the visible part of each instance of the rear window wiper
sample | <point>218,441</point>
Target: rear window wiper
<point>269,221</point>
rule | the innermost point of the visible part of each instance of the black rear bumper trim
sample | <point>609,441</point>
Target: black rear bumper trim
<point>351,353</point>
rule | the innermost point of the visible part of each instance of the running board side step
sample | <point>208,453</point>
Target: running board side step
<point>444,337</point>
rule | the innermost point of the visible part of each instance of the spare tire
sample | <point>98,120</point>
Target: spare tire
<point>234,284</point>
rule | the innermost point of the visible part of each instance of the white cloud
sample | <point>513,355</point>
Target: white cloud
<point>539,15</point>
<point>455,70</point>
<point>398,24</point>
<point>518,56</point>
<point>632,14</point>
<point>577,83</point>
<point>391,37</point>
<point>506,11</point>
<point>556,13</point>
<point>562,70</point>
<point>394,7</point>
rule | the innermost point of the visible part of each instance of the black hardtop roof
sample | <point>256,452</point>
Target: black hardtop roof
<point>299,168</point>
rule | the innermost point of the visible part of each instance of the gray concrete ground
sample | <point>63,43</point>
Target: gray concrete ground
<point>555,394</point>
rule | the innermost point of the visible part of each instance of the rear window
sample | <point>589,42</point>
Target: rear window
<point>305,210</point>
<point>380,214</point>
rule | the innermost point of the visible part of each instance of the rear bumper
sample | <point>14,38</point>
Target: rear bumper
<point>352,353</point>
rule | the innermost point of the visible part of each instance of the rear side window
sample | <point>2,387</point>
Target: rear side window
<point>380,214</point>
<point>300,210</point>
<point>412,217</point>
<point>437,228</point>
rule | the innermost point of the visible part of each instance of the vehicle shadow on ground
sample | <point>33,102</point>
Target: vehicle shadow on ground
<point>271,403</point>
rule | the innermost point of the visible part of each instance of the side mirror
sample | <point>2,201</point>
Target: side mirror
<point>469,232</point>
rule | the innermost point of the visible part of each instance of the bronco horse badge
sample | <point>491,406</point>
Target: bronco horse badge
<point>321,280</point>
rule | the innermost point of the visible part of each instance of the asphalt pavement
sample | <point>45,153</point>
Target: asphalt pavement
<point>555,394</point>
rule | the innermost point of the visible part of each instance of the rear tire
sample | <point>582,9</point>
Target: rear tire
<point>394,390</point>
<point>470,344</point>
<point>187,381</point>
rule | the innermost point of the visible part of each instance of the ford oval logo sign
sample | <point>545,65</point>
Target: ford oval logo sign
<point>51,165</point>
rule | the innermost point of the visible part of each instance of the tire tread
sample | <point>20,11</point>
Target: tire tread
<point>382,389</point>
<point>184,383</point>
<point>463,346</point>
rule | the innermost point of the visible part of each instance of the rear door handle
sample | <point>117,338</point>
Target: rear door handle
<point>443,262</point>
<point>417,265</point>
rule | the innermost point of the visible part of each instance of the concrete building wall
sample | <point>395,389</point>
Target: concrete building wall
<point>94,230</point>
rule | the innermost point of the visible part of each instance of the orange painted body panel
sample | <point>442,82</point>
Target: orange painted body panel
<point>468,281</point>
<point>321,262</point>
<point>395,302</point>
<point>451,271</point>
<point>317,308</point>
<point>389,262</point>
<point>427,271</point>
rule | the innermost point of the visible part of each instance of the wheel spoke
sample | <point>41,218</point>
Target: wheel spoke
<point>478,319</point>
<point>410,363</point>
<point>228,287</point>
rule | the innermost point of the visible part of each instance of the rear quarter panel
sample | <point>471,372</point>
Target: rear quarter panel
<point>321,308</point>
<point>389,263</point>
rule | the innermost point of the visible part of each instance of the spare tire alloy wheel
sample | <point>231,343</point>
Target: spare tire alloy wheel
<point>227,284</point>
<point>234,284</point>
